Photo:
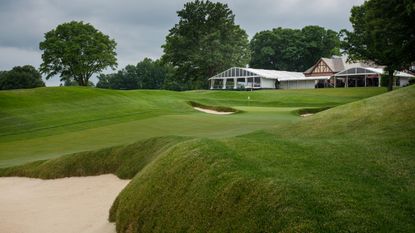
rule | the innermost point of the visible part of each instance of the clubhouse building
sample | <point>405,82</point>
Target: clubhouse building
<point>327,72</point>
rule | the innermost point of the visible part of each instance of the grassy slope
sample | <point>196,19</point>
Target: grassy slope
<point>43,123</point>
<point>350,168</point>
<point>332,172</point>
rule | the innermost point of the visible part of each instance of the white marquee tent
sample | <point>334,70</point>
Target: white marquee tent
<point>237,78</point>
<point>368,76</point>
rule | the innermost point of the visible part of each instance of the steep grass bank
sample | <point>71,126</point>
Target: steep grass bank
<point>207,186</point>
<point>391,114</point>
<point>123,161</point>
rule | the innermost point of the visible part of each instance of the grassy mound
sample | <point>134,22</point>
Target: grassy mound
<point>349,178</point>
<point>199,186</point>
<point>390,114</point>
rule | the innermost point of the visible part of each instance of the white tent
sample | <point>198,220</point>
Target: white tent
<point>368,75</point>
<point>237,77</point>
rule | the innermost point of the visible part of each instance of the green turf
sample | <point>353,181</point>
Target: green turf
<point>124,161</point>
<point>347,169</point>
<point>44,123</point>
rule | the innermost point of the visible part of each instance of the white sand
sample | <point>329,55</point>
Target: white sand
<point>306,114</point>
<point>212,111</point>
<point>68,205</point>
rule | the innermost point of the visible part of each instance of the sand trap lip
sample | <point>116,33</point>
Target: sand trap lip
<point>212,111</point>
<point>76,204</point>
<point>306,114</point>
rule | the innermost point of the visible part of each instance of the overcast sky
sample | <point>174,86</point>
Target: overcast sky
<point>139,27</point>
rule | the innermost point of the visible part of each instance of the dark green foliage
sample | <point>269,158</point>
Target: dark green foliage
<point>292,49</point>
<point>384,33</point>
<point>147,74</point>
<point>20,77</point>
<point>69,83</point>
<point>384,81</point>
<point>76,51</point>
<point>204,42</point>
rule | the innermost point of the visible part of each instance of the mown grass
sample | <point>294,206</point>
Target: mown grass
<point>311,110</point>
<point>350,168</point>
<point>43,123</point>
<point>347,169</point>
<point>123,161</point>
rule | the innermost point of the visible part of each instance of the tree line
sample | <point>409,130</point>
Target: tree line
<point>21,77</point>
<point>206,41</point>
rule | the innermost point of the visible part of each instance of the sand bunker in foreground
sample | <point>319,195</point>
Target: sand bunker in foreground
<point>77,204</point>
<point>212,111</point>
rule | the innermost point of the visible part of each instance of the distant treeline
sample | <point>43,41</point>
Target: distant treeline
<point>147,74</point>
<point>21,77</point>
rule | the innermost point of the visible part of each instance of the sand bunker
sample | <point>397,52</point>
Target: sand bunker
<point>307,114</point>
<point>68,205</point>
<point>212,111</point>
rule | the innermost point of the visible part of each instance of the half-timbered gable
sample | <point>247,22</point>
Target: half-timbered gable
<point>321,67</point>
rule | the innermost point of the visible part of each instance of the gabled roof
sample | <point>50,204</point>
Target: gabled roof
<point>333,64</point>
<point>337,64</point>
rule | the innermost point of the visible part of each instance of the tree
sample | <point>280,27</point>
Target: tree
<point>21,77</point>
<point>318,42</point>
<point>292,49</point>
<point>384,33</point>
<point>204,42</point>
<point>147,74</point>
<point>76,50</point>
<point>152,74</point>
<point>125,79</point>
<point>71,82</point>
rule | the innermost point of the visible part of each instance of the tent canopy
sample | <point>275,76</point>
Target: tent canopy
<point>369,71</point>
<point>238,72</point>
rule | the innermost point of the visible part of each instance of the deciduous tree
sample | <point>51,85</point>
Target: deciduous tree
<point>204,42</point>
<point>292,49</point>
<point>76,50</point>
<point>384,33</point>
